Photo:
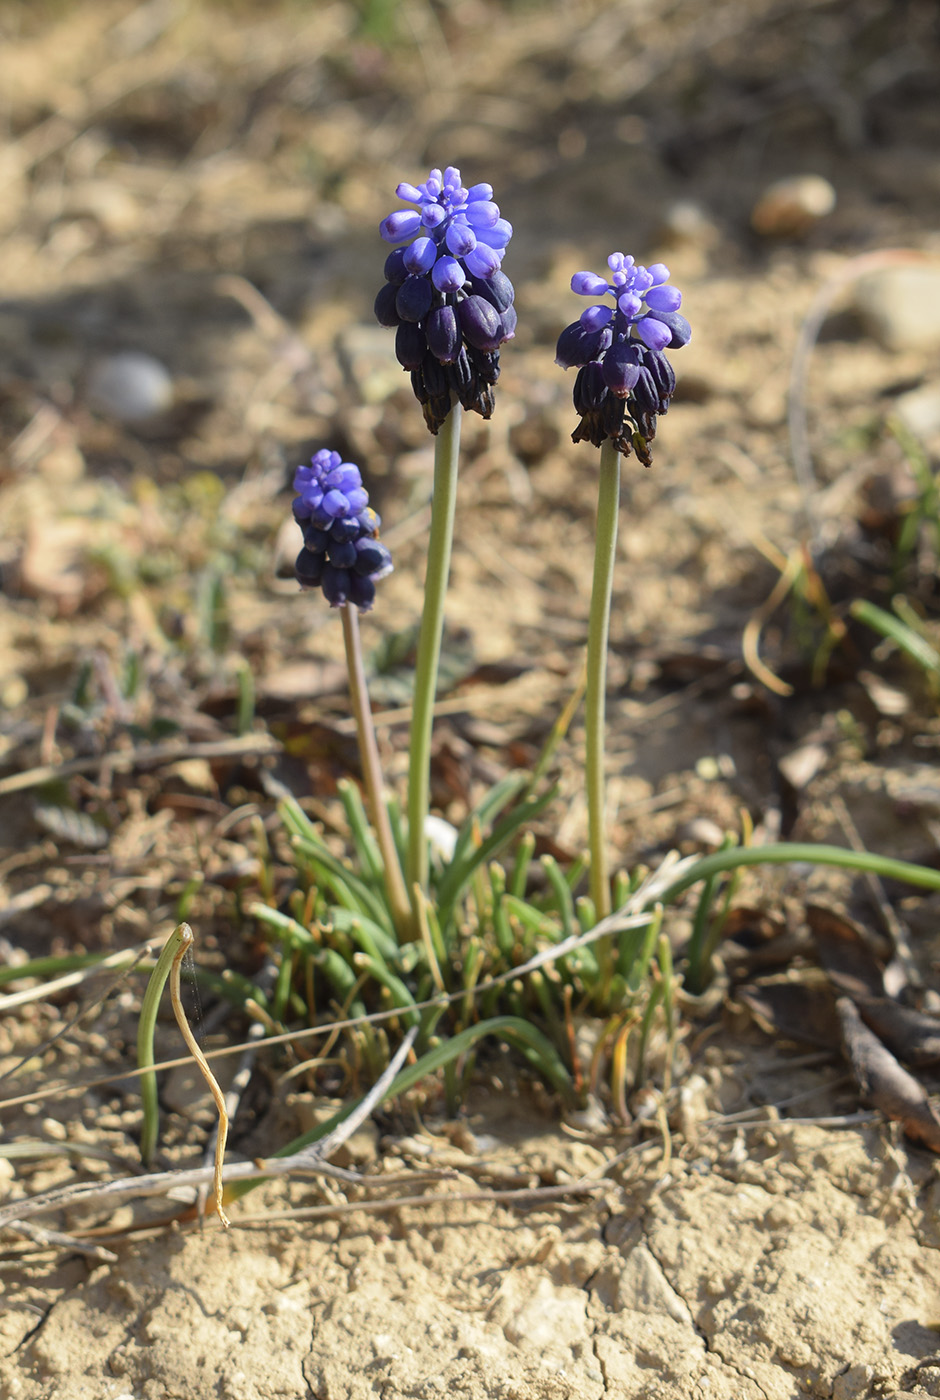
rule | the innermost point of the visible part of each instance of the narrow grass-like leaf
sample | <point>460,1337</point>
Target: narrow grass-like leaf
<point>457,875</point>
<point>367,849</point>
<point>520,871</point>
<point>486,811</point>
<point>400,994</point>
<point>901,633</point>
<point>351,891</point>
<point>562,892</point>
<point>803,853</point>
<point>146,1026</point>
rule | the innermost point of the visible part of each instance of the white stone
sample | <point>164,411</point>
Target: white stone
<point>900,306</point>
<point>130,386</point>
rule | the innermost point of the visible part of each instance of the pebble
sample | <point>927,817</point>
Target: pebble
<point>130,386</point>
<point>686,223</point>
<point>900,307</point>
<point>919,410</point>
<point>789,208</point>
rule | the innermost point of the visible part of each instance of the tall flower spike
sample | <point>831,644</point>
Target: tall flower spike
<point>624,379</point>
<point>342,553</point>
<point>446,294</point>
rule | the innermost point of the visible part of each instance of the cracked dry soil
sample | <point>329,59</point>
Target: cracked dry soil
<point>803,1262</point>
<point>150,150</point>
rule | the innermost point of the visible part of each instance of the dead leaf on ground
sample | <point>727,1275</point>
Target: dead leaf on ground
<point>883,1083</point>
<point>845,951</point>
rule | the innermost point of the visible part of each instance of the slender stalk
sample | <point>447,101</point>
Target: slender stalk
<point>608,505</point>
<point>398,902</point>
<point>446,455</point>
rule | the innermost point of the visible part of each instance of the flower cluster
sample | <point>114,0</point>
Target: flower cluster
<point>624,379</point>
<point>342,553</point>
<point>446,294</point>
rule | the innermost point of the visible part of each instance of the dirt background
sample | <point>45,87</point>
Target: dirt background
<point>204,184</point>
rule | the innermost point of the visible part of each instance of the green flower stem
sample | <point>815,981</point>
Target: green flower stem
<point>398,901</point>
<point>446,454</point>
<point>605,547</point>
<point>145,1031</point>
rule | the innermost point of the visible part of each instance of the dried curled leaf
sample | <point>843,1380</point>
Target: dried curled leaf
<point>883,1083</point>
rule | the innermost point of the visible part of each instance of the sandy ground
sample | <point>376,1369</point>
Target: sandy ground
<point>164,164</point>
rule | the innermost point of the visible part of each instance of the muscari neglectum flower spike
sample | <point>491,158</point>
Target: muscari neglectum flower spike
<point>624,379</point>
<point>446,294</point>
<point>342,553</point>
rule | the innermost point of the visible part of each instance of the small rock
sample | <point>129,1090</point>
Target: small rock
<point>643,1287</point>
<point>130,386</point>
<point>687,223</point>
<point>900,307</point>
<point>790,207</point>
<point>854,1382</point>
<point>702,831</point>
<point>919,410</point>
<point>801,765</point>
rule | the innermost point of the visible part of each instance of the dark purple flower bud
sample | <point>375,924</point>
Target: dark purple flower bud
<point>677,324</point>
<point>498,289</point>
<point>576,346</point>
<point>347,527</point>
<point>507,324</point>
<point>590,391</point>
<point>316,539</point>
<point>342,556</point>
<point>645,394</point>
<point>435,376</point>
<point>479,321</point>
<point>411,345</point>
<point>372,557</point>
<point>309,569</point>
<point>335,585</point>
<point>361,591</point>
<point>443,334</point>
<point>622,367</point>
<point>663,376</point>
<point>413,301</point>
<point>384,306</point>
<point>395,269</point>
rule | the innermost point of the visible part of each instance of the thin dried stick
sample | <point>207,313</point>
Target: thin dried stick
<point>141,757</point>
<point>186,940</point>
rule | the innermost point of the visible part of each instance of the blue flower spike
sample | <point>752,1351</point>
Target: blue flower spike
<point>445,292</point>
<point>342,553</point>
<point>624,379</point>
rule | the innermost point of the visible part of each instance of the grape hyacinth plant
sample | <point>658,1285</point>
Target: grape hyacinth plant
<point>624,382</point>
<point>452,304</point>
<point>343,556</point>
